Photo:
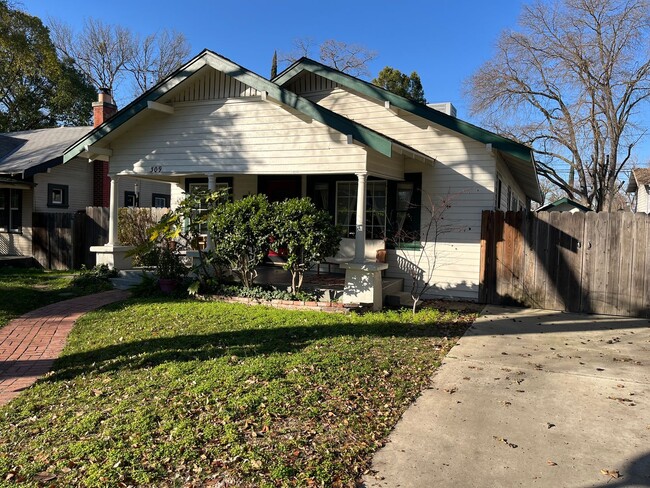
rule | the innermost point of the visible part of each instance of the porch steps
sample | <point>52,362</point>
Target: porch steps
<point>391,286</point>
<point>128,278</point>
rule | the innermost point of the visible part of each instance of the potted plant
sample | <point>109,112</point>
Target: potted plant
<point>169,269</point>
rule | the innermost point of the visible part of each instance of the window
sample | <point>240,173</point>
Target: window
<point>202,186</point>
<point>321,196</point>
<point>515,203</point>
<point>160,200</point>
<point>11,203</point>
<point>57,195</point>
<point>346,208</point>
<point>509,200</point>
<point>130,199</point>
<point>497,204</point>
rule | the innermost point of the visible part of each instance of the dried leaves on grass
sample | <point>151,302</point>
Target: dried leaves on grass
<point>194,394</point>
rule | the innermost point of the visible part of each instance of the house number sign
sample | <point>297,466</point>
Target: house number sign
<point>155,169</point>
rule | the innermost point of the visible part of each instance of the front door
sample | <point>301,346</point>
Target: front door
<point>281,187</point>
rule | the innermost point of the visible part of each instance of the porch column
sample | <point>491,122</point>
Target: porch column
<point>360,238</point>
<point>112,216</point>
<point>212,186</point>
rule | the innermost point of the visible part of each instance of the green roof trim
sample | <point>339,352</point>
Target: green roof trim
<point>506,146</point>
<point>509,146</point>
<point>369,137</point>
<point>564,201</point>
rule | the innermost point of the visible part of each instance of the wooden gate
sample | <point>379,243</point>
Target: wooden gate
<point>52,239</point>
<point>578,262</point>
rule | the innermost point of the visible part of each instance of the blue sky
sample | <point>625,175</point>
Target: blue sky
<point>445,41</point>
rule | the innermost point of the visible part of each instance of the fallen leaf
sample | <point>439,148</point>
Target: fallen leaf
<point>44,476</point>
<point>612,473</point>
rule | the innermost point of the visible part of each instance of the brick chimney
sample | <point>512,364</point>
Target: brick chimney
<point>103,109</point>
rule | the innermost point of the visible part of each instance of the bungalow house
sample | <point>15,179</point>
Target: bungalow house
<point>33,179</point>
<point>640,184</point>
<point>366,155</point>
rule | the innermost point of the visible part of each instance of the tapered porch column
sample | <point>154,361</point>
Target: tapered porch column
<point>212,186</point>
<point>113,240</point>
<point>360,238</point>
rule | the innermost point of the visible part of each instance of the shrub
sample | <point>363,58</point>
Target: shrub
<point>96,278</point>
<point>240,233</point>
<point>306,232</point>
<point>133,229</point>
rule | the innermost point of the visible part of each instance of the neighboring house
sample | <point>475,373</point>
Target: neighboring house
<point>33,178</point>
<point>563,205</point>
<point>640,184</point>
<point>317,132</point>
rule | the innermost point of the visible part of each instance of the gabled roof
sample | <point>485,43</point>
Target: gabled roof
<point>34,151</point>
<point>373,139</point>
<point>639,177</point>
<point>524,171</point>
<point>562,205</point>
<point>8,145</point>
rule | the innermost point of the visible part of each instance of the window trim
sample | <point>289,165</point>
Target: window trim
<point>65,191</point>
<point>370,184</point>
<point>165,196</point>
<point>7,211</point>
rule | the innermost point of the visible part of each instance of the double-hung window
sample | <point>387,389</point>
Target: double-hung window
<point>346,208</point>
<point>11,206</point>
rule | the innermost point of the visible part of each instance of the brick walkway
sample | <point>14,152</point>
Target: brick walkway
<point>30,344</point>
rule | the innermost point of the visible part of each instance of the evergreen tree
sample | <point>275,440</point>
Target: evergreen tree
<point>274,65</point>
<point>397,82</point>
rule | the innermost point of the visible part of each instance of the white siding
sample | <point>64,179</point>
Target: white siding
<point>307,82</point>
<point>77,175</point>
<point>465,171</point>
<point>507,181</point>
<point>209,84</point>
<point>146,188</point>
<point>236,136</point>
<point>643,202</point>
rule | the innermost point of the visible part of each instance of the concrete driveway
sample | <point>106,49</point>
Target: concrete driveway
<point>530,398</point>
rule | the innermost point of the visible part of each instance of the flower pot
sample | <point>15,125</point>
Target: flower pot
<point>167,285</point>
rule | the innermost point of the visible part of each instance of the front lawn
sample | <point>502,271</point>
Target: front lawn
<point>23,290</point>
<point>186,393</point>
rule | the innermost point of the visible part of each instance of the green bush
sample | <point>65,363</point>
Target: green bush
<point>240,233</point>
<point>307,233</point>
<point>97,278</point>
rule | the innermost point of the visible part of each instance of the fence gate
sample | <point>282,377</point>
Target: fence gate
<point>52,239</point>
<point>577,262</point>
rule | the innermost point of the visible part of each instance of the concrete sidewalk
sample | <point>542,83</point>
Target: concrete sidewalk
<point>530,398</point>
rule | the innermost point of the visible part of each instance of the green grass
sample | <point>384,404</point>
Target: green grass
<point>185,393</point>
<point>23,290</point>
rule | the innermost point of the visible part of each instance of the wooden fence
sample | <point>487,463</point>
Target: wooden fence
<point>63,240</point>
<point>578,262</point>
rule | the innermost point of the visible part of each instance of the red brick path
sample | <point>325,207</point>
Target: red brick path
<point>30,344</point>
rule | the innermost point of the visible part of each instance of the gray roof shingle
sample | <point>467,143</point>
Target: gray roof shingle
<point>23,151</point>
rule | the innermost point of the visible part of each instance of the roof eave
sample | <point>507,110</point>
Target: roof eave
<point>500,143</point>
<point>344,125</point>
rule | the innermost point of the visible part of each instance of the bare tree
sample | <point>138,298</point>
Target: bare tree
<point>422,262</point>
<point>100,50</point>
<point>570,84</point>
<point>156,56</point>
<point>348,58</point>
<point>108,54</point>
